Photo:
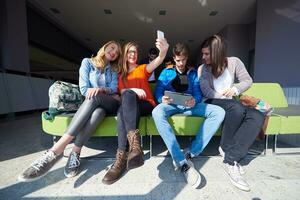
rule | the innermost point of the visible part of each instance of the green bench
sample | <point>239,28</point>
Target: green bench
<point>284,120</point>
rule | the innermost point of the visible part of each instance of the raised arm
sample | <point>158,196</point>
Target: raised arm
<point>162,46</point>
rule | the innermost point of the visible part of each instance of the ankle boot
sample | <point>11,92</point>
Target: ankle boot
<point>135,154</point>
<point>117,169</point>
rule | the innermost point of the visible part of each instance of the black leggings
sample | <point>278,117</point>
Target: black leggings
<point>129,115</point>
<point>89,115</point>
<point>240,128</point>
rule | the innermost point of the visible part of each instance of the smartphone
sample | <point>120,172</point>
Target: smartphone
<point>160,34</point>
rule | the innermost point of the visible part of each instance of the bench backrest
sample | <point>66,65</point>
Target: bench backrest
<point>270,92</point>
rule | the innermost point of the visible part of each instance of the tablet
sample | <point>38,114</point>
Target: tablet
<point>178,98</point>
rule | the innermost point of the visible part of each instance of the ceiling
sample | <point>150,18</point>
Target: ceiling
<point>137,20</point>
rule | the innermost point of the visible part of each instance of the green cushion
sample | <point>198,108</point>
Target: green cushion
<point>290,119</point>
<point>270,92</point>
<point>108,127</point>
<point>182,125</point>
<point>273,125</point>
<point>290,125</point>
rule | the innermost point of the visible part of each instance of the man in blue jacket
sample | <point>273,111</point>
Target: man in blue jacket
<point>179,78</point>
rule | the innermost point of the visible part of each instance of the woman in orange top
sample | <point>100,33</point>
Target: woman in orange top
<point>137,100</point>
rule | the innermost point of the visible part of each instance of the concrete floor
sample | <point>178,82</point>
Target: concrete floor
<point>270,177</point>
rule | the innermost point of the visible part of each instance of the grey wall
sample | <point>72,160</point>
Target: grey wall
<point>48,36</point>
<point>22,93</point>
<point>14,42</point>
<point>239,39</point>
<point>277,57</point>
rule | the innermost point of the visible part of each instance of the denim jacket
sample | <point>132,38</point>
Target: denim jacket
<point>165,83</point>
<point>89,76</point>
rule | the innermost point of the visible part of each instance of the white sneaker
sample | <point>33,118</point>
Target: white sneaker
<point>176,167</point>
<point>188,157</point>
<point>191,175</point>
<point>235,176</point>
<point>222,154</point>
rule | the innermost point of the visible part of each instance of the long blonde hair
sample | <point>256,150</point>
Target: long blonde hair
<point>125,66</point>
<point>100,61</point>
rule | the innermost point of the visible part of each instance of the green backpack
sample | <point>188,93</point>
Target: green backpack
<point>63,97</point>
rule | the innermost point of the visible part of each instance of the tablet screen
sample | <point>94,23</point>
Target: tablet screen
<point>178,98</point>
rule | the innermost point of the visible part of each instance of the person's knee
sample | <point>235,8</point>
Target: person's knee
<point>236,110</point>
<point>219,113</point>
<point>158,112</point>
<point>128,94</point>
<point>95,100</point>
<point>99,113</point>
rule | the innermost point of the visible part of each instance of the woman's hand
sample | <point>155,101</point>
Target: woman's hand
<point>229,92</point>
<point>93,92</point>
<point>140,92</point>
<point>166,100</point>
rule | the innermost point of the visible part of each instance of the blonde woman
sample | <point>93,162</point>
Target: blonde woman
<point>98,81</point>
<point>137,100</point>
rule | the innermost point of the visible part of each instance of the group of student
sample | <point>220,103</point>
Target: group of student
<point>113,83</point>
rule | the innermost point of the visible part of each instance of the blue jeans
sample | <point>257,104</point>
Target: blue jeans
<point>214,116</point>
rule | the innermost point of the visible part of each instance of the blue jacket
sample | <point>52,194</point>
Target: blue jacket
<point>165,83</point>
<point>89,76</point>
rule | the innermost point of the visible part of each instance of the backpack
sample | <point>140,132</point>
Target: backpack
<point>63,97</point>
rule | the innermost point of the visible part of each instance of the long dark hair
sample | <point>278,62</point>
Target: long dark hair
<point>217,49</point>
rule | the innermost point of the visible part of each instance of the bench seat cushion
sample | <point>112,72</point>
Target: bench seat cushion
<point>290,119</point>
<point>181,124</point>
<point>108,127</point>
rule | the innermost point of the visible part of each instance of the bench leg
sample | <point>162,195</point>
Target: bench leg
<point>266,145</point>
<point>141,141</point>
<point>150,146</point>
<point>275,144</point>
<point>54,139</point>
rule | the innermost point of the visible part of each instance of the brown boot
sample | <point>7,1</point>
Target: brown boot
<point>117,169</point>
<point>135,154</point>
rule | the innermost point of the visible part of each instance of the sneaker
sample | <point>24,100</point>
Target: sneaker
<point>222,153</point>
<point>176,167</point>
<point>188,156</point>
<point>235,176</point>
<point>191,175</point>
<point>40,167</point>
<point>72,166</point>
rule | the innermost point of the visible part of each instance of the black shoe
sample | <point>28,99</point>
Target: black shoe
<point>72,166</point>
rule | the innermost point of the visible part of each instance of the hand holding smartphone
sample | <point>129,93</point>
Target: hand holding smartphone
<point>160,34</point>
<point>161,44</point>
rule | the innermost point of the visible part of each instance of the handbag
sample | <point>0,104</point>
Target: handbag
<point>261,106</point>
